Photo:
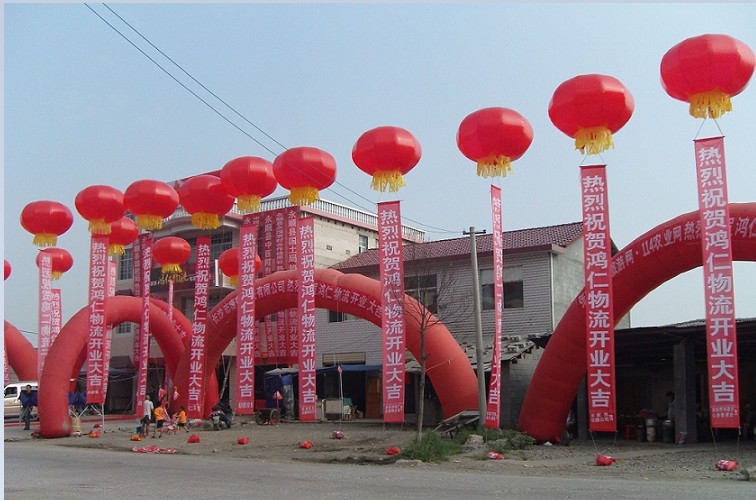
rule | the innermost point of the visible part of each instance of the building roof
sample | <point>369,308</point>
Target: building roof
<point>521,240</point>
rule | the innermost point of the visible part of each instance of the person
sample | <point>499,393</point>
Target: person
<point>147,416</point>
<point>28,400</point>
<point>218,412</point>
<point>159,420</point>
<point>670,405</point>
<point>162,395</point>
<point>181,418</point>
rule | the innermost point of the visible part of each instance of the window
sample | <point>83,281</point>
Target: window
<point>337,317</point>
<point>126,267</point>
<point>513,291</point>
<point>423,289</point>
<point>363,243</point>
<point>124,327</point>
<point>219,243</point>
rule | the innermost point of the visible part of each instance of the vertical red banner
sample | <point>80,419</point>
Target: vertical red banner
<point>306,295</point>
<point>493,408</point>
<point>719,288</point>
<point>107,347</point>
<point>292,335</point>
<point>98,274</point>
<point>198,349</point>
<point>56,317</point>
<point>280,265</point>
<point>136,263</point>
<point>599,315</point>
<point>143,356</point>
<point>7,368</point>
<point>269,349</point>
<point>245,319</point>
<point>393,328</point>
<point>44,323</point>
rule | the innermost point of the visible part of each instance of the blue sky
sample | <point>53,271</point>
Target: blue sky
<point>82,107</point>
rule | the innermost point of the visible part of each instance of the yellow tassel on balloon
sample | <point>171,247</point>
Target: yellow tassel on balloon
<point>233,280</point>
<point>116,249</point>
<point>494,166</point>
<point>99,226</point>
<point>55,275</point>
<point>149,222</point>
<point>391,179</point>
<point>204,220</point>
<point>303,195</point>
<point>595,139</point>
<point>710,104</point>
<point>45,240</point>
<point>248,203</point>
<point>171,268</point>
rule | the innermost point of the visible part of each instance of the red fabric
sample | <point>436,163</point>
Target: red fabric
<point>604,460</point>
<point>305,444</point>
<point>193,439</point>
<point>393,451</point>
<point>727,465</point>
<point>242,440</point>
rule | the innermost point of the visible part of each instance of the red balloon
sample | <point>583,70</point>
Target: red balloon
<point>706,71</point>
<point>60,261</point>
<point>249,179</point>
<point>46,220</point>
<point>204,197</point>
<point>151,202</point>
<point>228,261</point>
<point>122,232</point>
<point>590,108</point>
<point>170,252</point>
<point>7,269</point>
<point>100,205</point>
<point>494,137</point>
<point>304,171</point>
<point>386,153</point>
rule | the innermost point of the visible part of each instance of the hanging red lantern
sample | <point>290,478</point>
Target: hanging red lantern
<point>46,220</point>
<point>7,269</point>
<point>304,171</point>
<point>590,108</point>
<point>386,153</point>
<point>204,197</point>
<point>706,71</point>
<point>248,179</point>
<point>100,205</point>
<point>494,138</point>
<point>60,261</point>
<point>228,261</point>
<point>170,252</point>
<point>151,202</point>
<point>122,232</point>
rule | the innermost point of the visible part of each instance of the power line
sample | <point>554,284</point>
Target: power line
<point>358,205</point>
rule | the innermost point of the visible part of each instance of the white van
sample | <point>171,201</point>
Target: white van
<point>12,403</point>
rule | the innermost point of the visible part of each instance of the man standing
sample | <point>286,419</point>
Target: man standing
<point>28,400</point>
<point>147,418</point>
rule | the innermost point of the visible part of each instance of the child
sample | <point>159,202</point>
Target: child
<point>180,417</point>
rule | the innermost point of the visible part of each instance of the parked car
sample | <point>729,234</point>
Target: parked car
<point>11,401</point>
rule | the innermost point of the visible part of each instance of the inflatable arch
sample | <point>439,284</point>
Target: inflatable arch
<point>22,356</point>
<point>452,375</point>
<point>659,255</point>
<point>68,353</point>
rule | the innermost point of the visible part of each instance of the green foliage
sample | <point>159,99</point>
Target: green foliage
<point>498,440</point>
<point>430,448</point>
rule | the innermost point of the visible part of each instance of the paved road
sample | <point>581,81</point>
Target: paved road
<point>37,470</point>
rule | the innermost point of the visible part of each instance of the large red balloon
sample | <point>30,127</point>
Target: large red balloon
<point>122,232</point>
<point>304,171</point>
<point>590,108</point>
<point>100,205</point>
<point>170,252</point>
<point>7,269</point>
<point>150,201</point>
<point>249,179</point>
<point>46,220</point>
<point>228,261</point>
<point>205,198</point>
<point>60,260</point>
<point>387,153</point>
<point>706,71</point>
<point>494,137</point>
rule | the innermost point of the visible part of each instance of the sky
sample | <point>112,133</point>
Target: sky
<point>82,106</point>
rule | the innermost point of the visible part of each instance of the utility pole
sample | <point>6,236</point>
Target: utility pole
<point>478,326</point>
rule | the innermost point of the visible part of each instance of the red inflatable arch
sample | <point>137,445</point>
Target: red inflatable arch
<point>69,350</point>
<point>22,356</point>
<point>452,375</point>
<point>657,256</point>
